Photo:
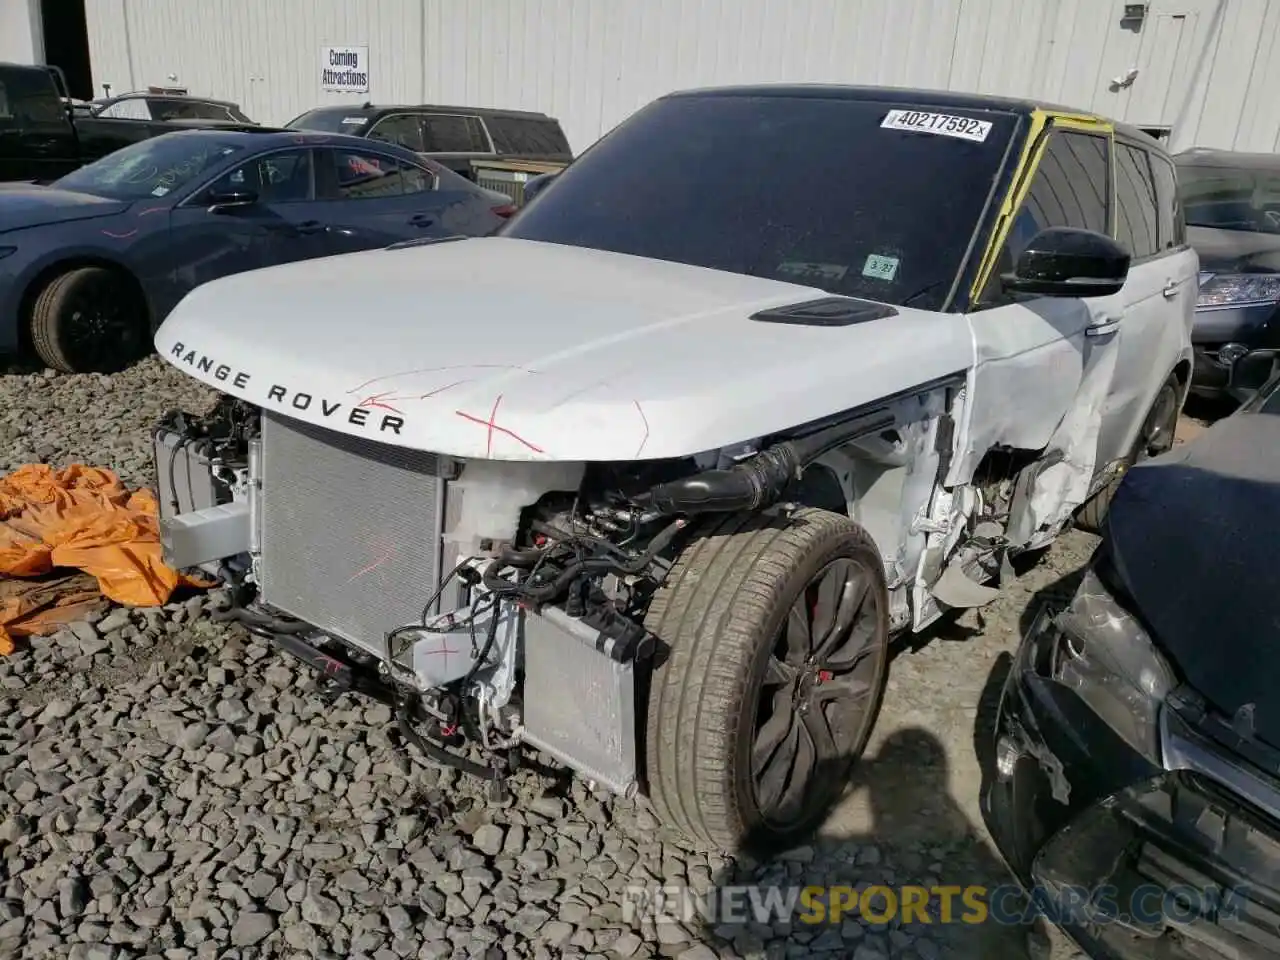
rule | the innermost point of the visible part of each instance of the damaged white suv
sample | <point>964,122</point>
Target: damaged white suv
<point>648,481</point>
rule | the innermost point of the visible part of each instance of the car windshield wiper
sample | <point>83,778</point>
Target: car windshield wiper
<point>923,290</point>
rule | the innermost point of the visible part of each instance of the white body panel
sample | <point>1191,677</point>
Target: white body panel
<point>572,354</point>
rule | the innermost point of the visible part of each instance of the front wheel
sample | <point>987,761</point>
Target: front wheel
<point>88,319</point>
<point>776,654</point>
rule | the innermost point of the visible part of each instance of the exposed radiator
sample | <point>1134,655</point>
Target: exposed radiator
<point>350,530</point>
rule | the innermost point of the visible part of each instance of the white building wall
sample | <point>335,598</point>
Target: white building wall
<point>20,34</point>
<point>1207,68</point>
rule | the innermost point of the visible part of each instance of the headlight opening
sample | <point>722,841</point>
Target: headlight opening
<point>1238,289</point>
<point>1106,656</point>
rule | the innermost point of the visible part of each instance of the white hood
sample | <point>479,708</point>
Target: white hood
<point>570,353</point>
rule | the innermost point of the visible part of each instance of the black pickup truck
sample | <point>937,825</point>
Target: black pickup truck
<point>43,138</point>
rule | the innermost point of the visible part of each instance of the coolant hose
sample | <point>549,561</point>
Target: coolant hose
<point>252,619</point>
<point>438,753</point>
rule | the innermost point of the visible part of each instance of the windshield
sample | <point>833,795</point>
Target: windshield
<point>150,168</point>
<point>813,191</point>
<point>1227,198</point>
<point>329,120</point>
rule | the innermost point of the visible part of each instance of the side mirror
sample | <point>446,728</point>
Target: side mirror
<point>535,185</point>
<point>1251,372</point>
<point>221,201</point>
<point>1068,262</point>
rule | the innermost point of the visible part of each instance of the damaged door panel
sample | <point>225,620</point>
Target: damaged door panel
<point>1042,375</point>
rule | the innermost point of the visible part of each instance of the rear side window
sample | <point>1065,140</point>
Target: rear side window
<point>369,176</point>
<point>1135,202</point>
<point>1171,222</point>
<point>190,110</point>
<point>403,129</point>
<point>29,96</point>
<point>527,137</point>
<point>451,133</point>
<point>133,109</point>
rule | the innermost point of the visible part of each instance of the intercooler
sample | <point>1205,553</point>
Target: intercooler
<point>349,530</point>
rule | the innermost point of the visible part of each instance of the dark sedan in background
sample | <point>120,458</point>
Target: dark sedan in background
<point>1232,207</point>
<point>1136,788</point>
<point>90,265</point>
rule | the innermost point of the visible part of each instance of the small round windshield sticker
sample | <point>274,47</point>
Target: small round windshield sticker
<point>881,268</point>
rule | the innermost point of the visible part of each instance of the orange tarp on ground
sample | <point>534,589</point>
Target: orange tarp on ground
<point>81,518</point>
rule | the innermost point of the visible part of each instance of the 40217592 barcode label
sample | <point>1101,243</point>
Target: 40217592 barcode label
<point>942,124</point>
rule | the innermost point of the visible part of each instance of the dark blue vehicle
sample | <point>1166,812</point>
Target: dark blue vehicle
<point>91,264</point>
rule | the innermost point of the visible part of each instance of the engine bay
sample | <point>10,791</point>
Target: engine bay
<point>518,595</point>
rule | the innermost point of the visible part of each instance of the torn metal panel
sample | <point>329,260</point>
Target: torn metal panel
<point>889,478</point>
<point>956,589</point>
<point>1029,368</point>
<point>1070,459</point>
<point>945,525</point>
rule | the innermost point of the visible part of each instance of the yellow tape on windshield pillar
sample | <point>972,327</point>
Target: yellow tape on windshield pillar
<point>1032,150</point>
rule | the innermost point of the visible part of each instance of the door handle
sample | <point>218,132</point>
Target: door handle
<point>1170,289</point>
<point>1105,326</point>
<point>422,220</point>
<point>311,226</point>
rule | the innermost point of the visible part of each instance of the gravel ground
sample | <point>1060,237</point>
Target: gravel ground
<point>170,788</point>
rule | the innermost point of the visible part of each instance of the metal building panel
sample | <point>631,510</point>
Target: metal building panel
<point>1229,73</point>
<point>1205,65</point>
<point>264,56</point>
<point>1258,127</point>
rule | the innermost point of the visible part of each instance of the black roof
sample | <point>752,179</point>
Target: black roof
<point>381,108</point>
<point>1205,157</point>
<point>180,97</point>
<point>943,99</point>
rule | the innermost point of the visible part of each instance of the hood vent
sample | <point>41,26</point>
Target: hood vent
<point>827,312</point>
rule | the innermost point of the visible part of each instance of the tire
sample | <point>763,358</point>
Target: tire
<point>1155,438</point>
<point>88,320</point>
<point>720,617</point>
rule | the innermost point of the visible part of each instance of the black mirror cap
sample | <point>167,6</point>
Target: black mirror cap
<point>1070,262</point>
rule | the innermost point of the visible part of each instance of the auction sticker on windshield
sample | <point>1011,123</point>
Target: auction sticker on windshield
<point>943,124</point>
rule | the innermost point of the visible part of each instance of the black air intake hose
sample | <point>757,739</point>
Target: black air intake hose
<point>760,480</point>
<point>745,486</point>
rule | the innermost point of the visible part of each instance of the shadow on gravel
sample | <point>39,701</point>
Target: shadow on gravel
<point>918,828</point>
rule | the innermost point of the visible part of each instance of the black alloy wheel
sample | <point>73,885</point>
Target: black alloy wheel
<point>89,319</point>
<point>817,695</point>
<point>775,637</point>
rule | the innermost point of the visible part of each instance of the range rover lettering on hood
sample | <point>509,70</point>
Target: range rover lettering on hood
<point>286,399</point>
